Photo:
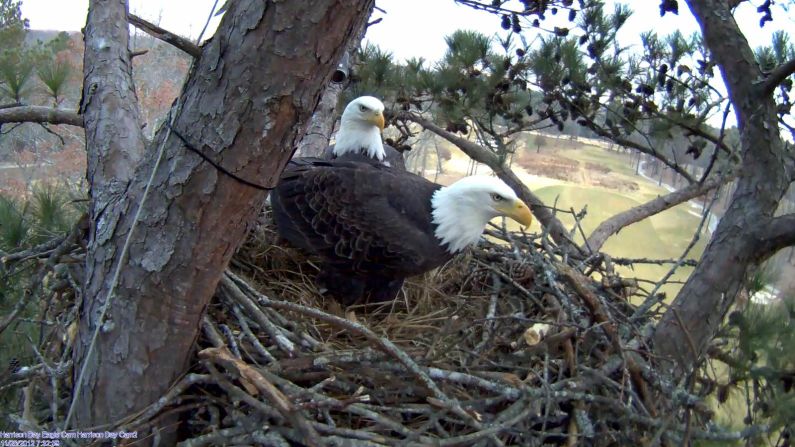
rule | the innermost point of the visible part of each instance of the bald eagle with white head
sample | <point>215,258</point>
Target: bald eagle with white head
<point>372,226</point>
<point>359,137</point>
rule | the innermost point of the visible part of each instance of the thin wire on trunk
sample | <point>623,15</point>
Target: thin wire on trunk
<point>126,247</point>
<point>117,270</point>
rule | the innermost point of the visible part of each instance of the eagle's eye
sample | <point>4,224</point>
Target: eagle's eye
<point>496,197</point>
<point>363,108</point>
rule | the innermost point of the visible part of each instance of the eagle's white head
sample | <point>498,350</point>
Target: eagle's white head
<point>462,210</point>
<point>360,128</point>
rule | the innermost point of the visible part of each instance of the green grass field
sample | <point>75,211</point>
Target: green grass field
<point>663,236</point>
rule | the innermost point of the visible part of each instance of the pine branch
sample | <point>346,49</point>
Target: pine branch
<point>777,76</point>
<point>487,157</point>
<point>625,142</point>
<point>778,233</point>
<point>700,133</point>
<point>40,114</point>
<point>617,222</point>
<point>164,35</point>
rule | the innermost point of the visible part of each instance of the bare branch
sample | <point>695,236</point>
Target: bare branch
<point>40,114</point>
<point>778,233</point>
<point>487,157</point>
<point>164,35</point>
<point>777,76</point>
<point>617,222</point>
<point>13,104</point>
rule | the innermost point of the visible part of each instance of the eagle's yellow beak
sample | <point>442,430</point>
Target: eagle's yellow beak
<point>378,120</point>
<point>517,211</point>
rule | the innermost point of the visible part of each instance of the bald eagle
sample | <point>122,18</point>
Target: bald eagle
<point>359,137</point>
<point>373,226</point>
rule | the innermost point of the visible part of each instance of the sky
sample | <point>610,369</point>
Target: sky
<point>410,28</point>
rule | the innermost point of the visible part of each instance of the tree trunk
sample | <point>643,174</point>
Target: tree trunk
<point>318,135</point>
<point>736,249</point>
<point>245,105</point>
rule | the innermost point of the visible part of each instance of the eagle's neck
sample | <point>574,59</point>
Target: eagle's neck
<point>459,219</point>
<point>357,137</point>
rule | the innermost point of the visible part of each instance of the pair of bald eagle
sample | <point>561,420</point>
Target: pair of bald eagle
<point>372,223</point>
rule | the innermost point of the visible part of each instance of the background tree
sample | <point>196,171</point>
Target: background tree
<point>540,141</point>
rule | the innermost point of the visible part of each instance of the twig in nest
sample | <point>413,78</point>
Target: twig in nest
<point>510,280</point>
<point>223,357</point>
<point>172,394</point>
<point>489,322</point>
<point>354,409</point>
<point>212,333</point>
<point>261,350</point>
<point>239,394</point>
<point>577,281</point>
<point>231,340</point>
<point>382,343</point>
<point>260,318</point>
<point>472,438</point>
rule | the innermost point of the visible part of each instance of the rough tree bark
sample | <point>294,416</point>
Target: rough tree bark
<point>737,247</point>
<point>321,126</point>
<point>246,102</point>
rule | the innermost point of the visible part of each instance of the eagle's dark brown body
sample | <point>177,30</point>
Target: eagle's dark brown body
<point>370,224</point>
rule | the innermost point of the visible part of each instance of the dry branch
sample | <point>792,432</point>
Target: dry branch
<point>166,36</point>
<point>223,357</point>
<point>616,223</point>
<point>777,76</point>
<point>779,232</point>
<point>40,114</point>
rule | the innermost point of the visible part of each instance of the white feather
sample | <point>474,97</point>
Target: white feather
<point>462,210</point>
<point>357,132</point>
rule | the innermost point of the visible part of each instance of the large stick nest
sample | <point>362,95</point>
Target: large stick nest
<point>509,344</point>
<point>512,343</point>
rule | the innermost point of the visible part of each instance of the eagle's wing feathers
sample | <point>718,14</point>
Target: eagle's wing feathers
<point>383,226</point>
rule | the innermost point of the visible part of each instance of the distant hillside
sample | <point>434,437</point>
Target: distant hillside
<point>43,35</point>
